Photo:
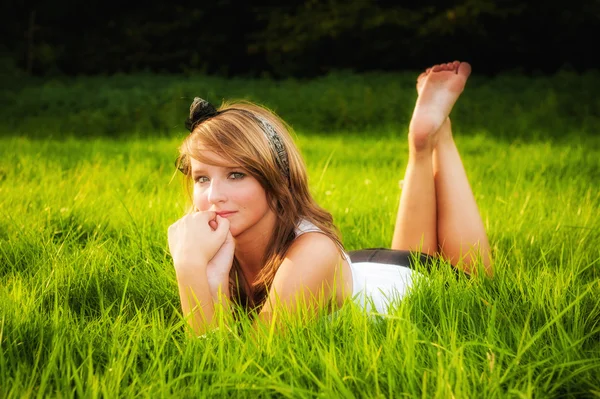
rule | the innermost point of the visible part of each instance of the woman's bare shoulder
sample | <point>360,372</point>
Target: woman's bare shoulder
<point>314,244</point>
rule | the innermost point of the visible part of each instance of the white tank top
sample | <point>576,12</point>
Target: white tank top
<point>374,285</point>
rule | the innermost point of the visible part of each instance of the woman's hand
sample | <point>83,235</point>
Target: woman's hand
<point>218,268</point>
<point>193,242</point>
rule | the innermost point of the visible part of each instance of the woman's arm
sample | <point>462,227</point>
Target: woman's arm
<point>217,271</point>
<point>199,243</point>
<point>197,302</point>
<point>309,277</point>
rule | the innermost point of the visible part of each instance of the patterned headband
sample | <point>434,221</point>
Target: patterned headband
<point>276,145</point>
<point>201,110</point>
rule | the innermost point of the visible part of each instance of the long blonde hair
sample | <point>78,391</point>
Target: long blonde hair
<point>237,133</point>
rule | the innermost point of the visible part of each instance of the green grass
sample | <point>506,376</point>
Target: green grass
<point>89,304</point>
<point>90,307</point>
<point>507,106</point>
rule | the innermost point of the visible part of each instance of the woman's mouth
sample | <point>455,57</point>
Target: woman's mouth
<point>224,214</point>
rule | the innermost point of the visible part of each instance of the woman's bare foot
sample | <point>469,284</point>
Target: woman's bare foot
<point>439,87</point>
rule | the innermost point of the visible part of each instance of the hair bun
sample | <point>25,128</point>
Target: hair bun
<point>200,110</point>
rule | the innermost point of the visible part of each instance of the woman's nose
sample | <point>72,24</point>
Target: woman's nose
<point>216,192</point>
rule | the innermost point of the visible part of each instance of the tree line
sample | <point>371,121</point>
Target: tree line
<point>299,38</point>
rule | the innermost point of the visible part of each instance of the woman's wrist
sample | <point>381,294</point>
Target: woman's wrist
<point>185,271</point>
<point>219,287</point>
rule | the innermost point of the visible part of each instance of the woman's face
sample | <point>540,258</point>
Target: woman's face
<point>231,192</point>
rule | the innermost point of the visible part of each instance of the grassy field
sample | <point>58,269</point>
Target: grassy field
<point>89,304</point>
<point>507,106</point>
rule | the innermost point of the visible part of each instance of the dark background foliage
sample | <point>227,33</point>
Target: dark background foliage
<point>300,38</point>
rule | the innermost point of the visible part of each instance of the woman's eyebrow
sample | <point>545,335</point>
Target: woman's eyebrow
<point>225,167</point>
<point>197,173</point>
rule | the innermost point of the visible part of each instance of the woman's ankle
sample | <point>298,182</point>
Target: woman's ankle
<point>418,155</point>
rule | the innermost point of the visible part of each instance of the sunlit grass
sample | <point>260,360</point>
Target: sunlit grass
<point>89,307</point>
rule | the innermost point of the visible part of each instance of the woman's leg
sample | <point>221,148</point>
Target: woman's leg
<point>428,219</point>
<point>461,235</point>
<point>416,220</point>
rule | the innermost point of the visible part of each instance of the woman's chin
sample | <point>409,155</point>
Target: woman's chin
<point>234,231</point>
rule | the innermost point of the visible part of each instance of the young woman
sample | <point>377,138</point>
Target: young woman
<point>257,238</point>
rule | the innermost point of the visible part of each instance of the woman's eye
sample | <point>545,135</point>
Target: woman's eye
<point>236,175</point>
<point>201,179</point>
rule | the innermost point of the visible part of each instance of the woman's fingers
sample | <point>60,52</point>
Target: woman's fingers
<point>205,215</point>
<point>196,238</point>
<point>222,226</point>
